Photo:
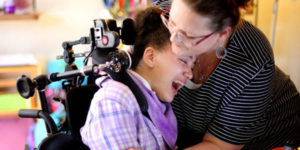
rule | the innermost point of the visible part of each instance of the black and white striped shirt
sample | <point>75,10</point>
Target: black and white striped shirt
<point>246,100</point>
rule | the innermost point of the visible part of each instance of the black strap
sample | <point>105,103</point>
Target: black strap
<point>124,78</point>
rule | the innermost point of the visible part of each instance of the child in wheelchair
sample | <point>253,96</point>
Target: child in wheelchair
<point>117,118</point>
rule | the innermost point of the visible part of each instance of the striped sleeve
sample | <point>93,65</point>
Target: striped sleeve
<point>246,100</point>
<point>240,116</point>
<point>163,5</point>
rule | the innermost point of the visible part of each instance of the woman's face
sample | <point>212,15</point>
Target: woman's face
<point>169,73</point>
<point>187,28</point>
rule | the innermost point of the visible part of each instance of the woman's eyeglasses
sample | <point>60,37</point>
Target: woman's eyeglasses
<point>180,35</point>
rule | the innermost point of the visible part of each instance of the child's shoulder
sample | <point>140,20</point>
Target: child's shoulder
<point>110,89</point>
<point>108,84</point>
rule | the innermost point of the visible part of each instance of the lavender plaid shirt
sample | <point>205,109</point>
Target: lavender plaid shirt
<point>116,122</point>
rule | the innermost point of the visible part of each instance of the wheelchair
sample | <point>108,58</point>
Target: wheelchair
<point>106,59</point>
<point>78,98</point>
<point>77,102</point>
<point>76,105</point>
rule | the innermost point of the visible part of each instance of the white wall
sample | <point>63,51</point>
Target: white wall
<point>287,38</point>
<point>59,21</point>
<point>287,35</point>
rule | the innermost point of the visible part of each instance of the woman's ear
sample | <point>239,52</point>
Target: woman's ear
<point>148,57</point>
<point>224,35</point>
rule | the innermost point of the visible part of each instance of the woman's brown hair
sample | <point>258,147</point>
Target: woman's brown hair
<point>223,13</point>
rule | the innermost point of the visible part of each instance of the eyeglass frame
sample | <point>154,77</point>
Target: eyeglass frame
<point>166,22</point>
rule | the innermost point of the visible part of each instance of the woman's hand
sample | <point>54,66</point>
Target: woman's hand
<point>212,143</point>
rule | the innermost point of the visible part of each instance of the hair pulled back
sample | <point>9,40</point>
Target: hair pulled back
<point>150,32</point>
<point>223,13</point>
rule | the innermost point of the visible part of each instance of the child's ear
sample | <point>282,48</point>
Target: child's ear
<point>148,56</point>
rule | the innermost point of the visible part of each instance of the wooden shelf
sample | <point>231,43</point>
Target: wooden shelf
<point>9,83</point>
<point>32,16</point>
<point>8,114</point>
<point>30,68</point>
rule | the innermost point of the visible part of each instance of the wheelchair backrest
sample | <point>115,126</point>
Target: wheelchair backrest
<point>78,102</point>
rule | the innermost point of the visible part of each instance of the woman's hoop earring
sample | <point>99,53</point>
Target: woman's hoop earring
<point>221,52</point>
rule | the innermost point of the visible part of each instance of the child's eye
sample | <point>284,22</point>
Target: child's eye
<point>183,61</point>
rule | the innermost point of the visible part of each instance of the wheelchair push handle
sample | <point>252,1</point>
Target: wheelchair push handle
<point>31,113</point>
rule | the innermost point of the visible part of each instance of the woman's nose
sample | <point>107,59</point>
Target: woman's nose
<point>188,73</point>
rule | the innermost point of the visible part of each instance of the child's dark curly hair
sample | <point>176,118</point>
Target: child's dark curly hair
<point>150,32</point>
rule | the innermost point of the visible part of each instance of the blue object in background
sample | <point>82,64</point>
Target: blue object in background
<point>40,132</point>
<point>108,3</point>
<point>39,129</point>
<point>59,66</point>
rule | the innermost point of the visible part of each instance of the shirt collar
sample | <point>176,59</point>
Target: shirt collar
<point>143,80</point>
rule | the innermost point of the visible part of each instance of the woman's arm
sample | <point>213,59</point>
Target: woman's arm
<point>212,143</point>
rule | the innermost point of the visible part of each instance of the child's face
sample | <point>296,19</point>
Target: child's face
<point>170,73</point>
